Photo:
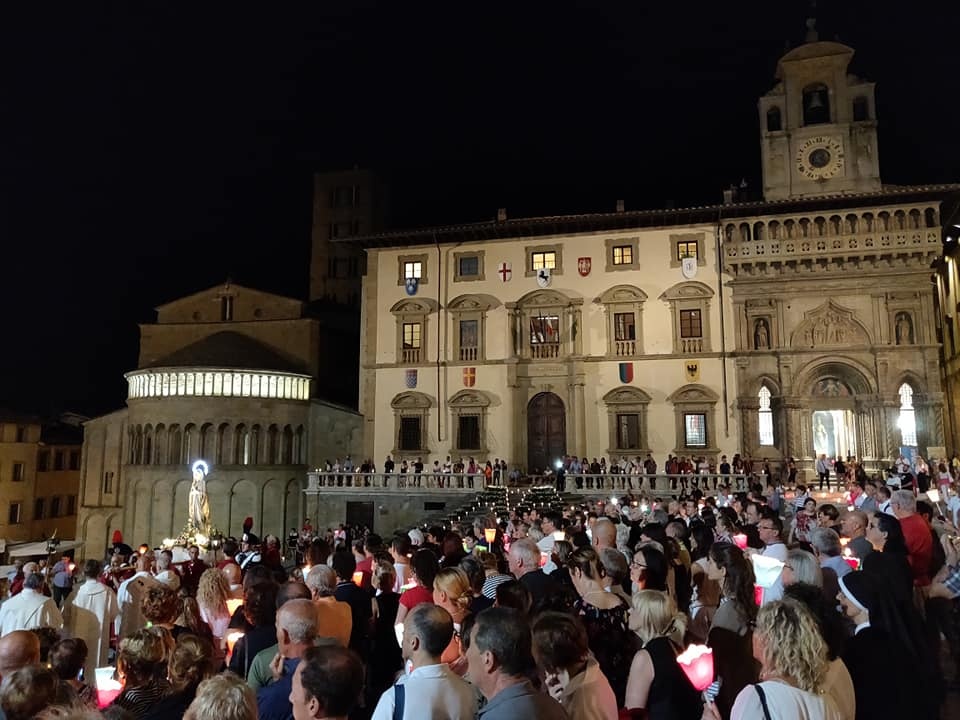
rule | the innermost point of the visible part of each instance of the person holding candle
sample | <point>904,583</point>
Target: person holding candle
<point>423,570</point>
<point>793,659</point>
<point>192,661</point>
<point>140,666</point>
<point>656,682</point>
<point>212,595</point>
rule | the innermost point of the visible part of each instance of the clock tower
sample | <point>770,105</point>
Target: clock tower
<point>818,127</point>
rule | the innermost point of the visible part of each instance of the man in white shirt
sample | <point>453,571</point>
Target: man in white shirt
<point>883,497</point>
<point>432,690</point>
<point>129,596</point>
<point>550,524</point>
<point>770,529</point>
<point>29,608</point>
<point>88,614</point>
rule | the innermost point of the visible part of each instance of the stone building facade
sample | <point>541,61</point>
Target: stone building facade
<point>227,376</point>
<point>789,327</point>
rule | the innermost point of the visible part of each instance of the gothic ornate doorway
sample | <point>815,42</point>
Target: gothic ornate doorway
<point>546,432</point>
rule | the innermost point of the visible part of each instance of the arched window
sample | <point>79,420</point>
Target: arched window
<point>816,104</point>
<point>861,109</point>
<point>908,417</point>
<point>774,123</point>
<point>765,417</point>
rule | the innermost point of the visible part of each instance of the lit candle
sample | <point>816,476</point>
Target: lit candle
<point>559,535</point>
<point>697,664</point>
<point>358,578</point>
<point>740,540</point>
<point>232,637</point>
<point>490,534</point>
<point>850,559</point>
<point>233,604</point>
<point>107,687</point>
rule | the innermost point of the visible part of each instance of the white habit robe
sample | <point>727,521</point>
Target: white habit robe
<point>27,610</point>
<point>88,613</point>
<point>129,596</point>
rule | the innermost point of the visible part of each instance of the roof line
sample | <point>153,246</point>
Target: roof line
<point>502,228</point>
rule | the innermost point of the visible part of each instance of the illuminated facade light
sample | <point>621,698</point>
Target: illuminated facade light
<point>216,383</point>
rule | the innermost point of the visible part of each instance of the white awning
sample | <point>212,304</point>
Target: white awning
<point>40,548</point>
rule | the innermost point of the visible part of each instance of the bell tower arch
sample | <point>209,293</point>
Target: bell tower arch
<point>818,125</point>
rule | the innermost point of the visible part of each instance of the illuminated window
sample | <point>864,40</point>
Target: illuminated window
<point>694,430</point>
<point>908,417</point>
<point>765,417</point>
<point>543,260</point>
<point>623,255</point>
<point>686,249</point>
<point>411,336</point>
<point>690,324</point>
<point>413,270</point>
<point>545,329</point>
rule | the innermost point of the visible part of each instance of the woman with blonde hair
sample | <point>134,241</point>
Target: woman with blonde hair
<point>452,591</point>
<point>223,697</point>
<point>140,665</point>
<point>656,682</point>
<point>793,660</point>
<point>213,591</point>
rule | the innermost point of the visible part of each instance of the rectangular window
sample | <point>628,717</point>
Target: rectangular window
<point>413,269</point>
<point>694,430</point>
<point>690,324</point>
<point>628,431</point>
<point>623,255</point>
<point>58,459</point>
<point>410,433</point>
<point>624,326</point>
<point>55,507</point>
<point>71,505</point>
<point>38,509</point>
<point>544,329</point>
<point>18,472</point>
<point>469,339</point>
<point>468,432</point>
<point>469,266</point>
<point>226,308</point>
<point>543,260</point>
<point>411,336</point>
<point>21,434</point>
<point>14,515</point>
<point>43,461</point>
<point>686,248</point>
<point>107,482</point>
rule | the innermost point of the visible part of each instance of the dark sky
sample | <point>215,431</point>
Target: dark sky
<point>149,150</point>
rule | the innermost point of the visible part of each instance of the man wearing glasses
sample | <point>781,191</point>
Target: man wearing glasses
<point>770,529</point>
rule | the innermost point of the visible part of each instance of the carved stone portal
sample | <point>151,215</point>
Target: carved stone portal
<point>830,325</point>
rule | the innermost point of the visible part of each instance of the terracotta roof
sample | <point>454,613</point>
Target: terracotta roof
<point>599,222</point>
<point>228,350</point>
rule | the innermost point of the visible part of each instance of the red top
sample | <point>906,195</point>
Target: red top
<point>366,567</point>
<point>414,596</point>
<point>919,547</point>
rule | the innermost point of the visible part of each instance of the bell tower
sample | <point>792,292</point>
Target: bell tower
<point>818,125</point>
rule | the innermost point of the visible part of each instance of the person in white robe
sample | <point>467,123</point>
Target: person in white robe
<point>88,614</point>
<point>130,595</point>
<point>29,608</point>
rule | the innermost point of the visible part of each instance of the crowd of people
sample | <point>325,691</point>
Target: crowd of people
<point>841,610</point>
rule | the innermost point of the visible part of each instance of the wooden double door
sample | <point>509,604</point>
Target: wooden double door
<point>546,432</point>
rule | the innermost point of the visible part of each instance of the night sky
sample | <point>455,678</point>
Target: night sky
<point>150,150</point>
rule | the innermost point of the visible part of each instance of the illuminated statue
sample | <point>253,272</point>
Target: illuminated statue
<point>199,508</point>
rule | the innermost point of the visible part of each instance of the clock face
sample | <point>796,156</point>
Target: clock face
<point>820,158</point>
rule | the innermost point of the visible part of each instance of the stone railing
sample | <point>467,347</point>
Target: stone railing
<point>319,482</point>
<point>661,482</point>
<point>625,348</point>
<point>468,354</point>
<point>786,249</point>
<point>691,345</point>
<point>410,355</point>
<point>545,351</point>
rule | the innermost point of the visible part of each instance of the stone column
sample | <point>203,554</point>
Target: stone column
<point>749,425</point>
<point>579,405</point>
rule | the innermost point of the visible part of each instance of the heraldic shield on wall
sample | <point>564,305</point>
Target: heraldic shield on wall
<point>583,266</point>
<point>626,372</point>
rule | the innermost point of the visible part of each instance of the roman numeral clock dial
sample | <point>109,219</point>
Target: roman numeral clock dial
<point>820,158</point>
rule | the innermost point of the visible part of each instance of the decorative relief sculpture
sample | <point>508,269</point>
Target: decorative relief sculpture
<point>904,329</point>
<point>761,335</point>
<point>830,325</point>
